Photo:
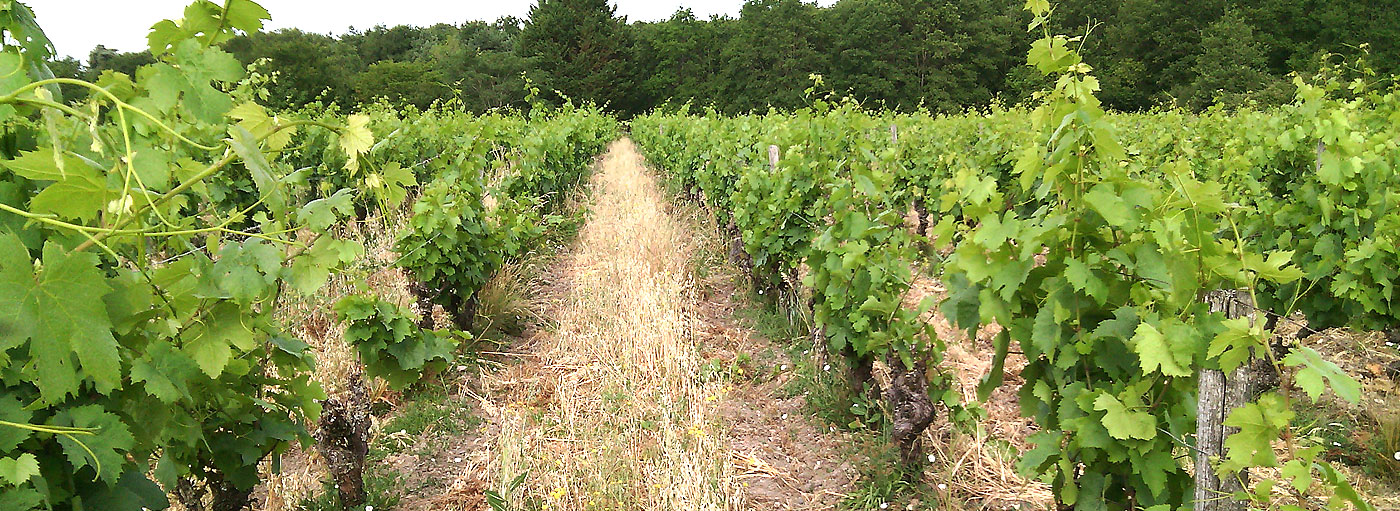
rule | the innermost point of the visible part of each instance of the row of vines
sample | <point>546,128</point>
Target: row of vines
<point>152,228</point>
<point>1092,241</point>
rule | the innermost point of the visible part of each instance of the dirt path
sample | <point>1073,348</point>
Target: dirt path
<point>611,408</point>
<point>608,413</point>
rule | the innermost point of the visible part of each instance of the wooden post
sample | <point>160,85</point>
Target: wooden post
<point>772,157</point>
<point>894,134</point>
<point>1217,397</point>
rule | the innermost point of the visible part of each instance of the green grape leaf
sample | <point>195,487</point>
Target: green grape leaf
<point>310,270</point>
<point>320,214</point>
<point>1233,344</point>
<point>1155,353</point>
<point>1259,425</point>
<point>1344,491</point>
<point>356,139</point>
<point>1155,467</point>
<point>1108,204</point>
<point>17,471</point>
<point>162,37</point>
<point>152,165</point>
<point>1316,369</point>
<point>110,441</point>
<point>214,338</point>
<point>12,74</point>
<point>42,165</point>
<point>12,410</point>
<point>254,118</point>
<point>1122,423</point>
<point>80,196</point>
<point>245,15</point>
<point>1052,55</point>
<point>1297,473</point>
<point>993,379</point>
<point>165,372</point>
<point>20,499</point>
<point>1083,279</point>
<point>246,145</point>
<point>59,308</point>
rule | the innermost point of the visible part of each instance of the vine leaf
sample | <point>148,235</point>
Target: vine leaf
<point>1260,423</point>
<point>246,145</point>
<point>1315,369</point>
<point>356,139</point>
<point>1123,423</point>
<point>245,15</point>
<point>1297,473</point>
<point>12,77</point>
<point>1155,354</point>
<point>254,118</point>
<point>216,336</point>
<point>1111,206</point>
<point>1233,344</point>
<point>165,372</point>
<point>43,165</point>
<point>109,441</point>
<point>1082,278</point>
<point>12,410</point>
<point>17,471</point>
<point>59,308</point>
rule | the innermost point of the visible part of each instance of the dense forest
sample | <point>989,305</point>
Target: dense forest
<point>900,54</point>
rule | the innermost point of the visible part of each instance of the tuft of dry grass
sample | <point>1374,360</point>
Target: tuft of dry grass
<point>610,415</point>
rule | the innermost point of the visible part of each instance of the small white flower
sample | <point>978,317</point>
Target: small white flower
<point>1397,455</point>
<point>942,486</point>
<point>1336,444</point>
<point>369,508</point>
<point>456,460</point>
<point>884,505</point>
<point>931,458</point>
<point>785,416</point>
<point>826,367</point>
<point>783,368</point>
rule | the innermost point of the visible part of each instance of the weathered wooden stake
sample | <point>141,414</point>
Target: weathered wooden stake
<point>1217,397</point>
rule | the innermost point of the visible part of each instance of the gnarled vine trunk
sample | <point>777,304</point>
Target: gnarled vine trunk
<point>342,438</point>
<point>911,409</point>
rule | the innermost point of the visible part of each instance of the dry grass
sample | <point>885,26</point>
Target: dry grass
<point>609,414</point>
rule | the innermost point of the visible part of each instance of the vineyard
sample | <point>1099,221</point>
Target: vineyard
<point>202,297</point>
<point>1093,244</point>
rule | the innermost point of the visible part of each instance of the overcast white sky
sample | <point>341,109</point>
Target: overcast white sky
<point>76,26</point>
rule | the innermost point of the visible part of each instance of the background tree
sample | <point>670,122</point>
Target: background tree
<point>1231,64</point>
<point>901,54</point>
<point>103,58</point>
<point>308,66</point>
<point>773,50</point>
<point>402,83</point>
<point>579,49</point>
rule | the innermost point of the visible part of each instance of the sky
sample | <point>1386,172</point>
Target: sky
<point>76,26</point>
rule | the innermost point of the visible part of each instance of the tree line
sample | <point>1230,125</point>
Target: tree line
<point>897,54</point>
